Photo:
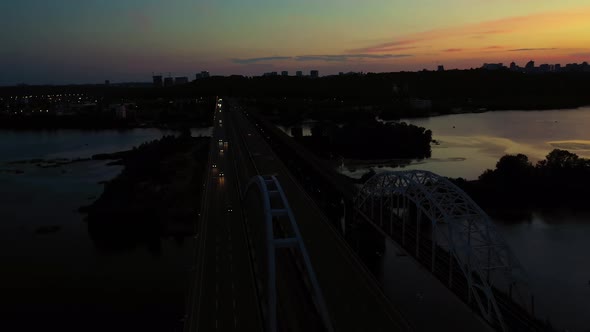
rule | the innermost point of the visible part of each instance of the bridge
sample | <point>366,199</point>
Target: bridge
<point>268,257</point>
<point>446,231</point>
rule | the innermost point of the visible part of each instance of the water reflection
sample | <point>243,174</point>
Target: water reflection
<point>553,248</point>
<point>101,275</point>
<point>472,143</point>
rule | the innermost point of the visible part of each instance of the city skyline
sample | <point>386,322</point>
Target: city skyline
<point>70,42</point>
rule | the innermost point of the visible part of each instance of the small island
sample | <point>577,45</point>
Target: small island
<point>156,195</point>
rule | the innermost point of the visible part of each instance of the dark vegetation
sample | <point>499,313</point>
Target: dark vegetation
<point>370,140</point>
<point>344,132</point>
<point>155,195</point>
<point>335,98</point>
<point>561,180</point>
<point>389,93</point>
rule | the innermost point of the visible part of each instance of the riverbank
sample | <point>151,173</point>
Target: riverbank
<point>155,195</point>
<point>504,108</point>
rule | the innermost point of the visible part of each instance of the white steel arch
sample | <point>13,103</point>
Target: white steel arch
<point>458,224</point>
<point>269,187</point>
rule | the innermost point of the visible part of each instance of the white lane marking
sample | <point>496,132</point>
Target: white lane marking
<point>235,321</point>
<point>216,324</point>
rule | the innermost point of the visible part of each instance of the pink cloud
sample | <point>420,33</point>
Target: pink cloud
<point>387,47</point>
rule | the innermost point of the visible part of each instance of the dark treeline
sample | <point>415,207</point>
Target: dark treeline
<point>562,180</point>
<point>154,195</point>
<point>394,95</point>
<point>369,140</point>
<point>389,93</point>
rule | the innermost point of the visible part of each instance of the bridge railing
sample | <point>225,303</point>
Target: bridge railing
<point>280,231</point>
<point>437,219</point>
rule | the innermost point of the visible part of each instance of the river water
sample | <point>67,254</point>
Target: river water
<point>62,281</point>
<point>553,247</point>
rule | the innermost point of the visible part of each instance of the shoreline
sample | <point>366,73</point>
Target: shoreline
<point>153,195</point>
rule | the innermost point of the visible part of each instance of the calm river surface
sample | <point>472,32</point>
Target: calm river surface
<point>61,281</point>
<point>554,248</point>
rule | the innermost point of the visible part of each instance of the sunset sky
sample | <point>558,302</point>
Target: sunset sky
<point>88,41</point>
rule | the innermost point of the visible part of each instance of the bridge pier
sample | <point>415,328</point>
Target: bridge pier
<point>433,240</point>
<point>404,217</point>
<point>418,221</point>
<point>451,271</point>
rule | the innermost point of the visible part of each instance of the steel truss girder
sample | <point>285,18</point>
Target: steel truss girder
<point>472,239</point>
<point>281,208</point>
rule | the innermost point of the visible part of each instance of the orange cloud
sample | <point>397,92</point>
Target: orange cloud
<point>504,28</point>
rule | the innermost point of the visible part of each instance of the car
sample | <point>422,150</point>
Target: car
<point>220,122</point>
<point>214,165</point>
<point>220,174</point>
<point>220,151</point>
<point>230,209</point>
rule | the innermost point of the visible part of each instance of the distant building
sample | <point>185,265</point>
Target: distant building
<point>513,66</point>
<point>493,66</point>
<point>544,68</point>
<point>557,67</point>
<point>107,82</point>
<point>530,66</point>
<point>299,73</point>
<point>440,68</point>
<point>168,81</point>
<point>121,112</point>
<point>297,131</point>
<point>204,74</point>
<point>181,80</point>
<point>314,73</point>
<point>284,73</point>
<point>157,81</point>
<point>198,76</point>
